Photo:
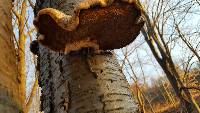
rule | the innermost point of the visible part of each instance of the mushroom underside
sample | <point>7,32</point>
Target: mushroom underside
<point>106,28</point>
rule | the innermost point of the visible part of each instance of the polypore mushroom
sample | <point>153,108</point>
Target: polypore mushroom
<point>99,24</point>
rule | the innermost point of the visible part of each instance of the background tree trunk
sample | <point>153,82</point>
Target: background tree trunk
<point>21,50</point>
<point>10,99</point>
<point>81,83</point>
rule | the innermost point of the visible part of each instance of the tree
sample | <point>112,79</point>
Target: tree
<point>153,34</point>
<point>11,100</point>
<point>80,82</point>
<point>21,42</point>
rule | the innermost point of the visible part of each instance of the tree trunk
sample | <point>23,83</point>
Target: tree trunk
<point>80,83</point>
<point>21,50</point>
<point>10,99</point>
<point>83,84</point>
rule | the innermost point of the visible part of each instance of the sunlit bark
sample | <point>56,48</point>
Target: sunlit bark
<point>10,96</point>
<point>21,51</point>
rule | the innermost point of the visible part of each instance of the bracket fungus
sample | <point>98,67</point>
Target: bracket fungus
<point>99,24</point>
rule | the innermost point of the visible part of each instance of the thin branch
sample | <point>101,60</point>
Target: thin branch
<point>32,95</point>
<point>191,87</point>
<point>31,4</point>
<point>16,14</point>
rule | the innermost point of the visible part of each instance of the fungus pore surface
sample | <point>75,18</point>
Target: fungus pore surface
<point>102,28</point>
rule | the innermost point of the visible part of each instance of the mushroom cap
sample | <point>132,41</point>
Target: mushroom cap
<point>104,28</point>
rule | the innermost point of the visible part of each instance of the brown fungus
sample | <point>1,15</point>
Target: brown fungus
<point>102,28</point>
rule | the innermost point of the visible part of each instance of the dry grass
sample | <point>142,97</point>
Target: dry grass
<point>166,108</point>
<point>170,108</point>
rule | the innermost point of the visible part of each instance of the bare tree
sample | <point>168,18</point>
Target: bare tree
<point>21,21</point>
<point>154,38</point>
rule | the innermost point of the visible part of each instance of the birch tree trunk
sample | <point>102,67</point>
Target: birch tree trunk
<point>81,83</point>
<point>10,99</point>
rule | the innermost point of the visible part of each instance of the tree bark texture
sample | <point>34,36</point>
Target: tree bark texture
<point>81,83</point>
<point>10,99</point>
